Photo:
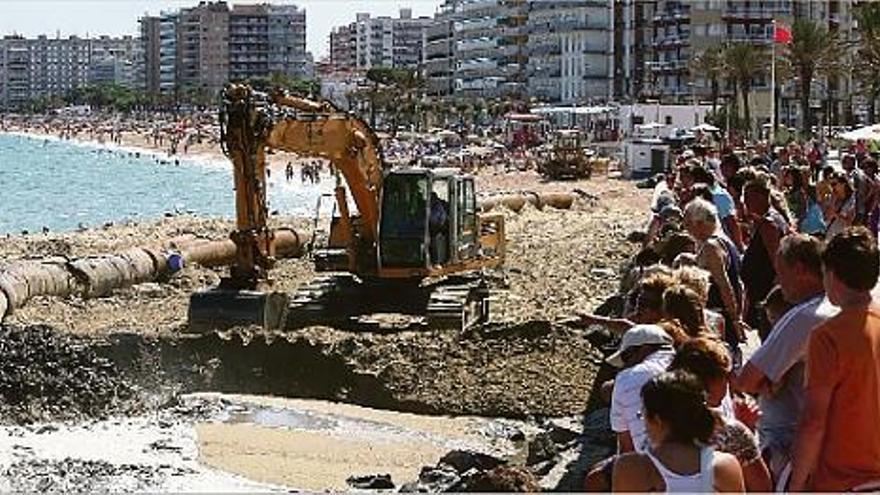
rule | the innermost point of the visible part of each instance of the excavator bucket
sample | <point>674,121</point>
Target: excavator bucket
<point>220,309</point>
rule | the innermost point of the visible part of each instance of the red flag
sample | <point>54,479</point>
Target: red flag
<point>781,34</point>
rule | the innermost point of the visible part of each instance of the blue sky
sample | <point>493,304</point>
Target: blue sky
<point>117,17</point>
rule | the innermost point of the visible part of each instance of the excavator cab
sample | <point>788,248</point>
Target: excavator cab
<point>428,222</point>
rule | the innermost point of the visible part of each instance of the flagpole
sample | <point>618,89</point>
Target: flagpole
<point>772,134</point>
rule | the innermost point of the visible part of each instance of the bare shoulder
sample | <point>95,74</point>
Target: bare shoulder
<point>728,473</point>
<point>632,473</point>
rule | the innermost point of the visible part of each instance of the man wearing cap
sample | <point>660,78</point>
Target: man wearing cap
<point>645,352</point>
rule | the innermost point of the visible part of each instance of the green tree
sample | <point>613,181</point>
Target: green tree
<point>867,60</point>
<point>811,49</point>
<point>710,65</point>
<point>400,89</point>
<point>743,62</point>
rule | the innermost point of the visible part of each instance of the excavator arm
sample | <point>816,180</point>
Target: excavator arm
<point>253,122</point>
<point>319,130</point>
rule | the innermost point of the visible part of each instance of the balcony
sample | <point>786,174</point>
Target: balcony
<point>476,24</point>
<point>667,67</point>
<point>548,49</point>
<point>670,43</point>
<point>477,44</point>
<point>476,5</point>
<point>750,14</point>
<point>674,16</point>
<point>753,38</point>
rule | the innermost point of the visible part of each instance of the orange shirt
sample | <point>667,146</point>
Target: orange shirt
<point>844,353</point>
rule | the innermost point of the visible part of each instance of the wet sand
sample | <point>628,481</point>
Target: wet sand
<point>338,441</point>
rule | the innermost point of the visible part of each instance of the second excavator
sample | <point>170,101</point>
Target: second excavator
<point>404,246</point>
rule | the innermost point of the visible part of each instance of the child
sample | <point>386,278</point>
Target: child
<point>775,306</point>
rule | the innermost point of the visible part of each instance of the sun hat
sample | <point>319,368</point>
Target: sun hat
<point>638,336</point>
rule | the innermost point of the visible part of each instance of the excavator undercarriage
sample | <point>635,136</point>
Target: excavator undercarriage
<point>341,301</point>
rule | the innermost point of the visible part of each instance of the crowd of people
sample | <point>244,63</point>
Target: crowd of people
<point>749,347</point>
<point>171,134</point>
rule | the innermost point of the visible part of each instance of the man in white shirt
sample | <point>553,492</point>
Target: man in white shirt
<point>776,370</point>
<point>645,352</point>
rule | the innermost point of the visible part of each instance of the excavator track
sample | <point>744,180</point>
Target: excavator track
<point>341,301</point>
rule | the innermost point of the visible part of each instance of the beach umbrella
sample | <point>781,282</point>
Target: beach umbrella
<point>871,132</point>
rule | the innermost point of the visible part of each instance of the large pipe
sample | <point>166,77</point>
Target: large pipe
<point>99,276</point>
<point>517,201</point>
<point>288,244</point>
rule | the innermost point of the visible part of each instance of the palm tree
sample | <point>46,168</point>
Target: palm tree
<point>812,47</point>
<point>867,61</point>
<point>743,62</point>
<point>709,64</point>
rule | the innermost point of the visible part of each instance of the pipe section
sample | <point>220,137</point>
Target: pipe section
<point>99,276</point>
<point>516,201</point>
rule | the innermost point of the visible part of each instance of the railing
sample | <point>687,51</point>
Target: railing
<point>675,15</point>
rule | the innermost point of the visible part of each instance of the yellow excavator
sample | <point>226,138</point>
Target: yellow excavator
<point>405,246</point>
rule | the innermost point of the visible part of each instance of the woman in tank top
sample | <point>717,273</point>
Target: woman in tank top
<point>679,425</point>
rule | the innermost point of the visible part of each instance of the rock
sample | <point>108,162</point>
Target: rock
<point>602,272</point>
<point>465,460</point>
<point>564,430</point>
<point>149,289</point>
<point>371,482</point>
<point>542,448</point>
<point>502,479</point>
<point>542,468</point>
<point>434,480</point>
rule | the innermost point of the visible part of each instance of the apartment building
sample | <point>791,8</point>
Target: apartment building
<point>571,51</point>
<point>550,50</point>
<point>167,53</point>
<point>267,39</point>
<point>203,47</point>
<point>343,47</point>
<point>491,48</point>
<point>438,55</point>
<point>44,67</point>
<point>593,50</point>
<point>379,42</point>
<point>149,64</point>
<point>115,60</point>
<point>15,74</point>
<point>683,29</point>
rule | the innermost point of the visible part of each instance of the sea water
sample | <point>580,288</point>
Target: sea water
<point>64,185</point>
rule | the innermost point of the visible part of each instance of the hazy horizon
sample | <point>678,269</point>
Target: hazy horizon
<point>119,17</point>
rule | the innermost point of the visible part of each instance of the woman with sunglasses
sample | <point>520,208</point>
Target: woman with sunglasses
<point>679,424</point>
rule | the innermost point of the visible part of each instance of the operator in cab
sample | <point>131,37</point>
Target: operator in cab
<point>438,226</point>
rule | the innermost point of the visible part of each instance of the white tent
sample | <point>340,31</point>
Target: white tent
<point>871,132</point>
<point>705,128</point>
<point>650,126</point>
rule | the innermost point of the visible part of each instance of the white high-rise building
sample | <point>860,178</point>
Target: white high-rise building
<point>379,42</point>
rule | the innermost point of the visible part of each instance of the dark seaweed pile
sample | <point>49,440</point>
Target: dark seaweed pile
<point>46,375</point>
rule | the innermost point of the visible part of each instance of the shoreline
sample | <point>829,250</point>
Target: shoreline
<point>132,142</point>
